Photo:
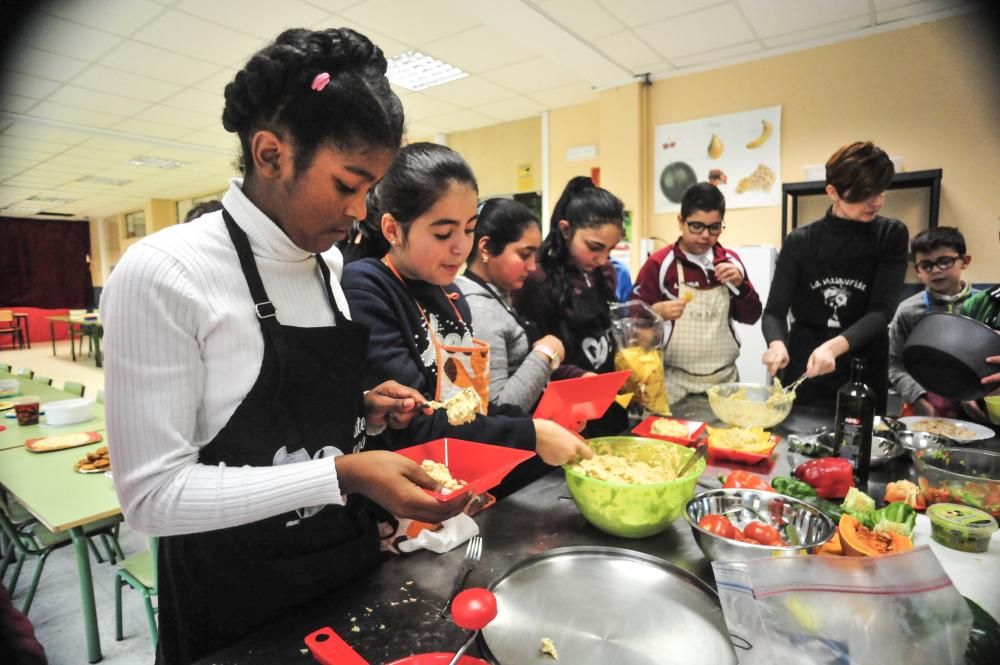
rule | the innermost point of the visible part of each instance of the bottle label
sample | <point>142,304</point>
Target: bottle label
<point>850,439</point>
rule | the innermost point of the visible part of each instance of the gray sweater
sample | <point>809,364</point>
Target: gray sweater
<point>517,376</point>
<point>909,312</point>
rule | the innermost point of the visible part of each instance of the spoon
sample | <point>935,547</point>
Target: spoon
<point>698,453</point>
<point>472,610</point>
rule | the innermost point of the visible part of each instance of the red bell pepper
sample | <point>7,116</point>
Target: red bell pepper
<point>745,480</point>
<point>831,477</point>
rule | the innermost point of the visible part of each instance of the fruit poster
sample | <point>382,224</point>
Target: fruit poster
<point>740,153</point>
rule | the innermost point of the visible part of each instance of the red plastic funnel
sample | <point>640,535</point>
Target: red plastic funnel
<point>481,465</point>
<point>586,398</point>
<point>328,648</point>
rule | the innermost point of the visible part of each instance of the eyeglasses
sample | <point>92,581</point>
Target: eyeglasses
<point>942,262</point>
<point>700,227</point>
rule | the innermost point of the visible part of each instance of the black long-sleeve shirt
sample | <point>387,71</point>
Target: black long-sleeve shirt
<point>838,276</point>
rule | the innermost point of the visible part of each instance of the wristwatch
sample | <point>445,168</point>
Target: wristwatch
<point>549,353</point>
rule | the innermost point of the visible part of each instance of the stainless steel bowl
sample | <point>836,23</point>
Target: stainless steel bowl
<point>743,506</point>
<point>914,441</point>
<point>884,448</point>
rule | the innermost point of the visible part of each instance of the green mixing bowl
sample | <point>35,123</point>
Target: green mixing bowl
<point>632,510</point>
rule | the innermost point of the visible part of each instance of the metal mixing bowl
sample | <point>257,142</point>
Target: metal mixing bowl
<point>743,506</point>
<point>914,441</point>
<point>749,404</point>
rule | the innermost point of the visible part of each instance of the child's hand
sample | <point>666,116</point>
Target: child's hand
<point>670,310</point>
<point>556,445</point>
<point>727,273</point>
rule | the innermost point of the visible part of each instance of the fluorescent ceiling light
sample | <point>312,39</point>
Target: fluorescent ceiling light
<point>415,71</point>
<point>155,162</point>
<point>51,199</point>
<point>101,180</point>
<point>20,207</point>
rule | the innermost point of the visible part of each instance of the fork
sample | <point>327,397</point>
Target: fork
<point>473,553</point>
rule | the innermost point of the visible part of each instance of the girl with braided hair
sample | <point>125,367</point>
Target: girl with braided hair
<point>236,415</point>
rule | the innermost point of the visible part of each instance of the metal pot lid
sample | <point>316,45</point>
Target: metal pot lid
<point>605,605</point>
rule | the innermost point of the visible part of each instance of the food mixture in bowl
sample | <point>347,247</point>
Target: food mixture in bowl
<point>655,465</point>
<point>750,405</point>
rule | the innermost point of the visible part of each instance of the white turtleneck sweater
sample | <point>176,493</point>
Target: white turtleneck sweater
<point>183,348</point>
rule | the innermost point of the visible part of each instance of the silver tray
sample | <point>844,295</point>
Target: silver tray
<point>605,605</point>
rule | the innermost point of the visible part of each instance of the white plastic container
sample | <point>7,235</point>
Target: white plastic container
<point>69,411</point>
<point>9,387</point>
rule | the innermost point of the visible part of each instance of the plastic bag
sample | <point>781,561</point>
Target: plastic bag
<point>439,538</point>
<point>639,334</point>
<point>822,610</point>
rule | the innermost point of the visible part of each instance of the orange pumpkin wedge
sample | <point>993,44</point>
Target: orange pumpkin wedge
<point>857,540</point>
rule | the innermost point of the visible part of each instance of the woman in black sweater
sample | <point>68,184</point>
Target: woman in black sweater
<point>840,276</point>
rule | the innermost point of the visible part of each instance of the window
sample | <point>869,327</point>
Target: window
<point>135,224</point>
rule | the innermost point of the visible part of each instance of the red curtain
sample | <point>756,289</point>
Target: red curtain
<point>44,263</point>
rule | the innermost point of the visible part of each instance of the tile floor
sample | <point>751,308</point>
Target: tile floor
<point>56,609</point>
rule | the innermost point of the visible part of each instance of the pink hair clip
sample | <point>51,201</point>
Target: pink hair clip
<point>321,81</point>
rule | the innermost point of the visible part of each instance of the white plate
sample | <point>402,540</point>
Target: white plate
<point>980,431</point>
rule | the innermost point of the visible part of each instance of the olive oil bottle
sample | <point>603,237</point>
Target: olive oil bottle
<point>855,418</point>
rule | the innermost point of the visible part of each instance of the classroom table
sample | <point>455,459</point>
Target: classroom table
<point>63,500</point>
<point>393,612</point>
<point>91,322</point>
<point>15,435</point>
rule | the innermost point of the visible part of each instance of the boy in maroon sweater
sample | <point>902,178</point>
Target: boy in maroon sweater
<point>699,287</point>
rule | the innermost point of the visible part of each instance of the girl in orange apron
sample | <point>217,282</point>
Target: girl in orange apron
<point>421,331</point>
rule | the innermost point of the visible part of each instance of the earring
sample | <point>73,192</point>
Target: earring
<point>486,258</point>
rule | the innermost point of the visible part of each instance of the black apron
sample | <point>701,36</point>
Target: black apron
<point>803,340</point>
<point>218,585</point>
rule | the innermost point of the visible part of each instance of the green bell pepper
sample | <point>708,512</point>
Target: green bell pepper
<point>792,487</point>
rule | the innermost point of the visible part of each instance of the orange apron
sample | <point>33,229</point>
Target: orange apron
<point>458,367</point>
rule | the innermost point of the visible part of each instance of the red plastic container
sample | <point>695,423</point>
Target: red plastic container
<point>328,648</point>
<point>481,465</point>
<point>645,429</point>
<point>571,401</point>
<point>717,453</point>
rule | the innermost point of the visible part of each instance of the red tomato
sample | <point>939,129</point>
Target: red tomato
<point>765,534</point>
<point>719,525</point>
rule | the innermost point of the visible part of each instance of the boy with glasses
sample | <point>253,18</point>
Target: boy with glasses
<point>699,287</point>
<point>939,257</point>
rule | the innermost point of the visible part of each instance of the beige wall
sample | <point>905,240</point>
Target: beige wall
<point>496,152</point>
<point>927,93</point>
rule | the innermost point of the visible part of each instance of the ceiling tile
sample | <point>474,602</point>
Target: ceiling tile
<point>201,39</point>
<point>531,75</point>
<point>887,11</point>
<point>217,82</point>
<point>686,35</point>
<point>112,147</point>
<point>9,194</point>
<point>75,161</point>
<point>217,138</point>
<point>159,64</point>
<point>567,95</point>
<point>71,95</point>
<point>74,115</point>
<point>513,108</point>
<point>115,81</point>
<point>21,155</point>
<point>8,141</point>
<point>465,119</point>
<point>43,64</point>
<point>414,23</point>
<point>476,50</point>
<point>192,99</point>
<point>636,13</point>
<point>51,134</point>
<point>255,17</point>
<point>334,6</point>
<point>422,107</point>
<point>420,130</point>
<point>627,49</point>
<point>770,18</point>
<point>151,129</point>
<point>717,56</point>
<point>820,32</point>
<point>121,17</point>
<point>586,18</point>
<point>469,91</point>
<point>28,86</point>
<point>51,33</point>
<point>15,103</point>
<point>177,118</point>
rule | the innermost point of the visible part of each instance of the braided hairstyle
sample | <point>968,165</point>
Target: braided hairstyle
<point>357,109</point>
<point>585,206</point>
